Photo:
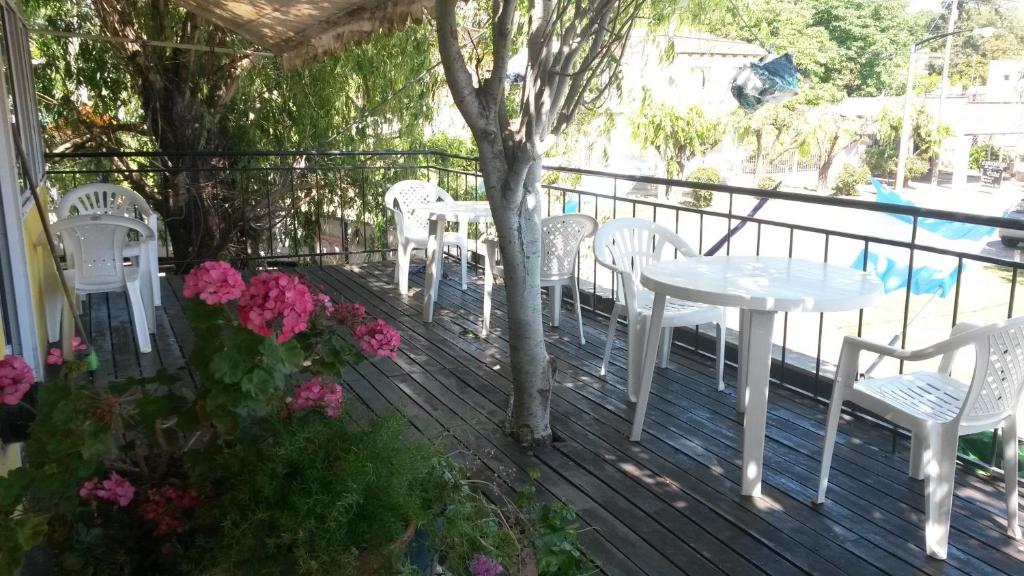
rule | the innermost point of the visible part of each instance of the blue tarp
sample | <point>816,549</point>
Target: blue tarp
<point>943,228</point>
<point>933,273</point>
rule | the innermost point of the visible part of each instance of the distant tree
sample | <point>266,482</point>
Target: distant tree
<point>830,134</point>
<point>857,46</point>
<point>971,54</point>
<point>926,140</point>
<point>771,133</point>
<point>677,137</point>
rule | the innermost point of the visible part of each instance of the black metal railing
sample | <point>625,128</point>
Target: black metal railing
<point>315,207</point>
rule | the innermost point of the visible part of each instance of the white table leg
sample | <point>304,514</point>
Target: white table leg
<point>741,361</point>
<point>650,355</point>
<point>434,261</point>
<point>148,289</point>
<point>759,362</point>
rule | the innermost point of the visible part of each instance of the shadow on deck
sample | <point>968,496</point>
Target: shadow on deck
<point>670,504</point>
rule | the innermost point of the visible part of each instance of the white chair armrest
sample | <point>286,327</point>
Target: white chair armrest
<point>962,340</point>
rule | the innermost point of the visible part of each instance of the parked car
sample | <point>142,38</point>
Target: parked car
<point>1009,236</point>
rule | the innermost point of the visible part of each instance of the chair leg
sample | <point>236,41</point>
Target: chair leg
<point>463,258</point>
<point>720,358</point>
<point>489,255</point>
<point>579,315</point>
<point>1010,457</point>
<point>555,292</point>
<point>665,347</point>
<point>918,452</point>
<point>139,317</point>
<point>613,322</point>
<point>835,409</point>
<point>402,268</point>
<point>635,342</point>
<point>939,480</point>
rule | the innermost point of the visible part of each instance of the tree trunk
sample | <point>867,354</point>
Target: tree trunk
<point>519,239</point>
<point>823,170</point>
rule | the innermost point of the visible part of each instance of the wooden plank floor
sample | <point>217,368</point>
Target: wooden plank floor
<point>669,504</point>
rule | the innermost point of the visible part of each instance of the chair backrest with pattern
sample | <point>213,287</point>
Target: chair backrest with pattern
<point>401,195</point>
<point>561,236</point>
<point>627,245</point>
<point>96,244</point>
<point>102,198</point>
<point>998,382</point>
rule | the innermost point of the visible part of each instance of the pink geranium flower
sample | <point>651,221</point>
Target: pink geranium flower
<point>378,338</point>
<point>214,283</point>
<point>324,302</point>
<point>350,314</point>
<point>274,298</point>
<point>484,566</point>
<point>113,489</point>
<point>314,394</point>
<point>55,357</point>
<point>77,345</point>
<point>16,379</point>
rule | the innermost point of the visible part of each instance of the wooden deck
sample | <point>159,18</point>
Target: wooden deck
<point>667,505</point>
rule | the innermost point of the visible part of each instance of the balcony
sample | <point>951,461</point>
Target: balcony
<point>670,503</point>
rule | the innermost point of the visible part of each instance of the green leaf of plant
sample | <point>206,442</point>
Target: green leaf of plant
<point>292,355</point>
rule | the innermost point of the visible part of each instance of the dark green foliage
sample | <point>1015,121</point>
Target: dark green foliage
<point>850,177</point>
<point>882,155</point>
<point>706,175</point>
<point>314,493</point>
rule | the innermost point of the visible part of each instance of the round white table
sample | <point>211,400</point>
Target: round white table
<point>439,214</point>
<point>760,286</point>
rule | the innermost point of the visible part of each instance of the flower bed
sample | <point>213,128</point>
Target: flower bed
<point>255,468</point>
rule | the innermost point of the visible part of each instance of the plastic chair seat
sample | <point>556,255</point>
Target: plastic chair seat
<point>927,396</point>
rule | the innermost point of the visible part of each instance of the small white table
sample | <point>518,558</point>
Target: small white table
<point>760,286</point>
<point>439,214</point>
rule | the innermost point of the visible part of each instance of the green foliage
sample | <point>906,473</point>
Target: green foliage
<point>678,138</point>
<point>278,484</point>
<point>314,493</point>
<point>706,175</point>
<point>767,183</point>
<point>927,135</point>
<point>857,46</point>
<point>850,177</point>
<point>972,53</point>
<point>982,152</point>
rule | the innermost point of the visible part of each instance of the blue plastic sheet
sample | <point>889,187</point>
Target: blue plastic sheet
<point>769,80</point>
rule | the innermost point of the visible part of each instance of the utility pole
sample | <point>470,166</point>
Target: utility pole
<point>954,13</point>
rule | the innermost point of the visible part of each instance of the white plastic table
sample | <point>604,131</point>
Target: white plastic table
<point>760,286</point>
<point>440,213</point>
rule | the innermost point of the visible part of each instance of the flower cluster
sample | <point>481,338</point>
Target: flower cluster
<point>314,394</point>
<point>378,338</point>
<point>214,283</point>
<point>15,379</point>
<point>56,358</point>
<point>167,507</point>
<point>272,296</point>
<point>484,566</point>
<point>350,314</point>
<point>324,303</point>
<point>114,489</point>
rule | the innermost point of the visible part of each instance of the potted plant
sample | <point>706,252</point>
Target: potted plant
<point>254,468</point>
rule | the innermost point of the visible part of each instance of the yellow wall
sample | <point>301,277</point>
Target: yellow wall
<point>40,269</point>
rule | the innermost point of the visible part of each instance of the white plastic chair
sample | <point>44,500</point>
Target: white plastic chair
<point>104,198</point>
<point>96,244</point>
<point>561,237</point>
<point>625,246</point>
<point>938,409</point>
<point>413,229</point>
